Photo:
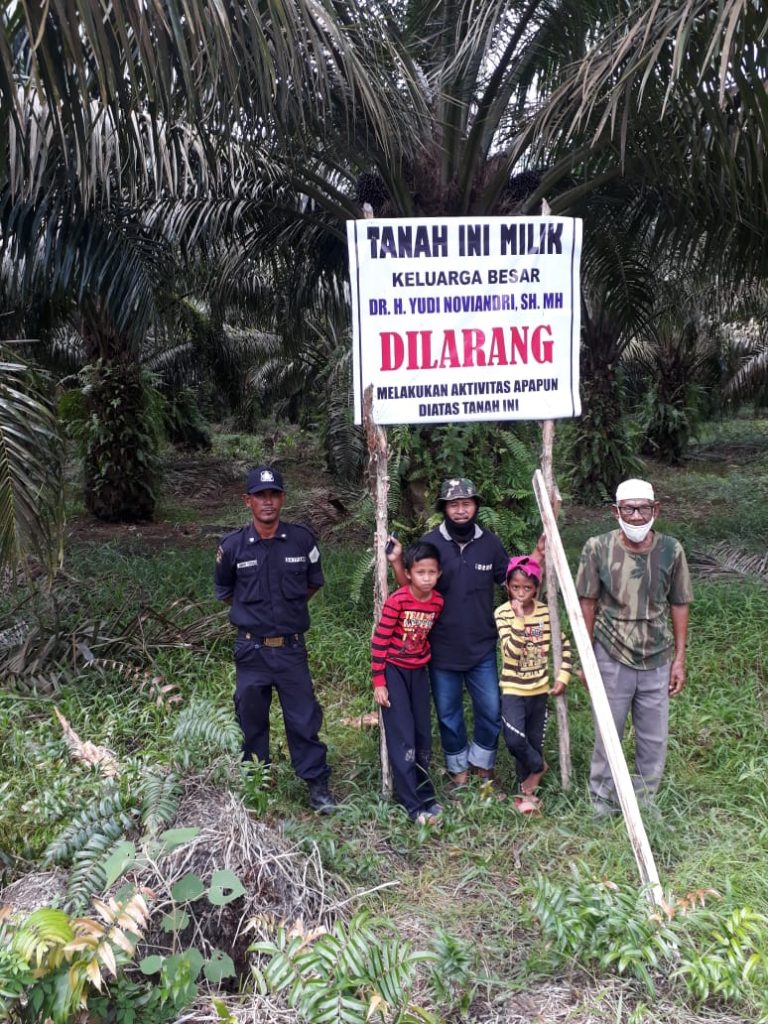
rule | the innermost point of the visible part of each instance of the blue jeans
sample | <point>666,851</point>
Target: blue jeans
<point>448,692</point>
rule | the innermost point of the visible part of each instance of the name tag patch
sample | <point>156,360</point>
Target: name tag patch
<point>482,567</point>
<point>297,558</point>
<point>248,565</point>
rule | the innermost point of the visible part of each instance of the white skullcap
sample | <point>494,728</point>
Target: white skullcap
<point>632,490</point>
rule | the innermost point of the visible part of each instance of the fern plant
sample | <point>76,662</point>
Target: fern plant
<point>597,922</point>
<point>50,961</point>
<point>716,952</point>
<point>160,796</point>
<point>88,875</point>
<point>728,958</point>
<point>109,819</point>
<point>205,724</point>
<point>353,973</point>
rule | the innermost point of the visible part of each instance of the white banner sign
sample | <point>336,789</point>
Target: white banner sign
<point>459,319</point>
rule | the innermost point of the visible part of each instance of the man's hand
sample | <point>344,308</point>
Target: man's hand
<point>676,678</point>
<point>395,559</point>
<point>396,553</point>
<point>557,690</point>
<point>381,696</point>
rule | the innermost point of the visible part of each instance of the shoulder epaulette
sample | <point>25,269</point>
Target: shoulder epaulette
<point>304,527</point>
<point>232,533</point>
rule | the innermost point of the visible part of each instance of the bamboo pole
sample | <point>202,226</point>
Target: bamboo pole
<point>603,718</point>
<point>561,702</point>
<point>378,482</point>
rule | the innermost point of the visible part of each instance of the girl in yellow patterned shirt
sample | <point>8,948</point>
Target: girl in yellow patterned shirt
<point>525,635</point>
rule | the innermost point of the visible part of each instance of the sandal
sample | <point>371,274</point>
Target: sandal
<point>426,818</point>
<point>527,804</point>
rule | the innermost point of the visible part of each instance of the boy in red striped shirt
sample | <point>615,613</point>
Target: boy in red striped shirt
<point>399,656</point>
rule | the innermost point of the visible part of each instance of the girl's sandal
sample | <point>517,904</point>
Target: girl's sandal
<point>527,804</point>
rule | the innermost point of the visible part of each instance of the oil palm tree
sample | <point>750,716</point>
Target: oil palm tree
<point>121,126</point>
<point>674,98</point>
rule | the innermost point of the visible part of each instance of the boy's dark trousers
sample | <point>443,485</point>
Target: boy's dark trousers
<point>408,729</point>
<point>524,722</point>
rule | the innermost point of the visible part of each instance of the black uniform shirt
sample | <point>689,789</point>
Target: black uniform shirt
<point>465,633</point>
<point>269,580</point>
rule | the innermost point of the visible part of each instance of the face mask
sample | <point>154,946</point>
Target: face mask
<point>636,534</point>
<point>462,533</point>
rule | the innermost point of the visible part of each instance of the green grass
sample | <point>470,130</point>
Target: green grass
<point>474,876</point>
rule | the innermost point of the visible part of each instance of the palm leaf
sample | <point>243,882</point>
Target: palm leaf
<point>724,562</point>
<point>276,63</point>
<point>31,497</point>
<point>674,97</point>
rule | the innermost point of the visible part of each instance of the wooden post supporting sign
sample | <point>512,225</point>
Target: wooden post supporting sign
<point>378,481</point>
<point>561,702</point>
<point>603,718</point>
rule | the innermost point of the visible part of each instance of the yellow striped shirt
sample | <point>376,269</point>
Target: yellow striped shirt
<point>525,651</point>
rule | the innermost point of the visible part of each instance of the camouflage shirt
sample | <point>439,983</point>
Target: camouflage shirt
<point>634,591</point>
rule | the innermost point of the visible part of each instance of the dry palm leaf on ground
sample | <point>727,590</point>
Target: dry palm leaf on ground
<point>724,562</point>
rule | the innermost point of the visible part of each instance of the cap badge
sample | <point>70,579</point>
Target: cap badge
<point>267,476</point>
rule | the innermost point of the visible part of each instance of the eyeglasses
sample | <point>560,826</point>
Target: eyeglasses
<point>643,512</point>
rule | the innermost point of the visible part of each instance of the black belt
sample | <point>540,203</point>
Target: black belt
<point>273,641</point>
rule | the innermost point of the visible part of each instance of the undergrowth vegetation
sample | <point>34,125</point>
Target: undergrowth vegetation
<point>453,923</point>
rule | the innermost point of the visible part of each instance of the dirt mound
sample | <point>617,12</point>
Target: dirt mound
<point>282,884</point>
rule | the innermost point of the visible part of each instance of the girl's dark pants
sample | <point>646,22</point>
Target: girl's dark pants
<point>408,730</point>
<point>524,721</point>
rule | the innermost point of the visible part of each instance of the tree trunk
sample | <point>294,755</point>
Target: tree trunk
<point>121,464</point>
<point>122,469</point>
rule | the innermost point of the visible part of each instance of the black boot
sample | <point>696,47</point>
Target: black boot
<point>321,799</point>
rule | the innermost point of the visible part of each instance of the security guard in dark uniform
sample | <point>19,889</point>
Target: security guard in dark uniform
<point>267,571</point>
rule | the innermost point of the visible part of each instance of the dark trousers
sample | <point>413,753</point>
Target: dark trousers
<point>258,670</point>
<point>408,731</point>
<point>524,722</point>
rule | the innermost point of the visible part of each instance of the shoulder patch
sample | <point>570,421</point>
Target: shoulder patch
<point>219,554</point>
<point>314,555</point>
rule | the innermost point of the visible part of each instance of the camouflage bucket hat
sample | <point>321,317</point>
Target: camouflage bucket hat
<point>456,487</point>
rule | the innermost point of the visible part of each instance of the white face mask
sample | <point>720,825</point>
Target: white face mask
<point>636,534</point>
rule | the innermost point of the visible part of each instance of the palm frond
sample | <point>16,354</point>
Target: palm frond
<point>31,495</point>
<point>674,98</point>
<point>725,562</point>
<point>279,65</point>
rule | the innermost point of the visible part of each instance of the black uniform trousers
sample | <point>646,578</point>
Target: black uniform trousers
<point>524,722</point>
<point>259,669</point>
<point>408,731</point>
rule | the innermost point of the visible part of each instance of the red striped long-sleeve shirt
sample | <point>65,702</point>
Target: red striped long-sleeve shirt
<point>401,636</point>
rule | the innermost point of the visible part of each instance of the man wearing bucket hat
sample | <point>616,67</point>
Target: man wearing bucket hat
<point>631,582</point>
<point>267,572</point>
<point>463,640</point>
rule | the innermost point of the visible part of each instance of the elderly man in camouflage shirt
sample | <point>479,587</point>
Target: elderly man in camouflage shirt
<point>630,583</point>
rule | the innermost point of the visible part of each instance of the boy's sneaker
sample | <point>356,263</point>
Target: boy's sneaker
<point>321,799</point>
<point>434,810</point>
